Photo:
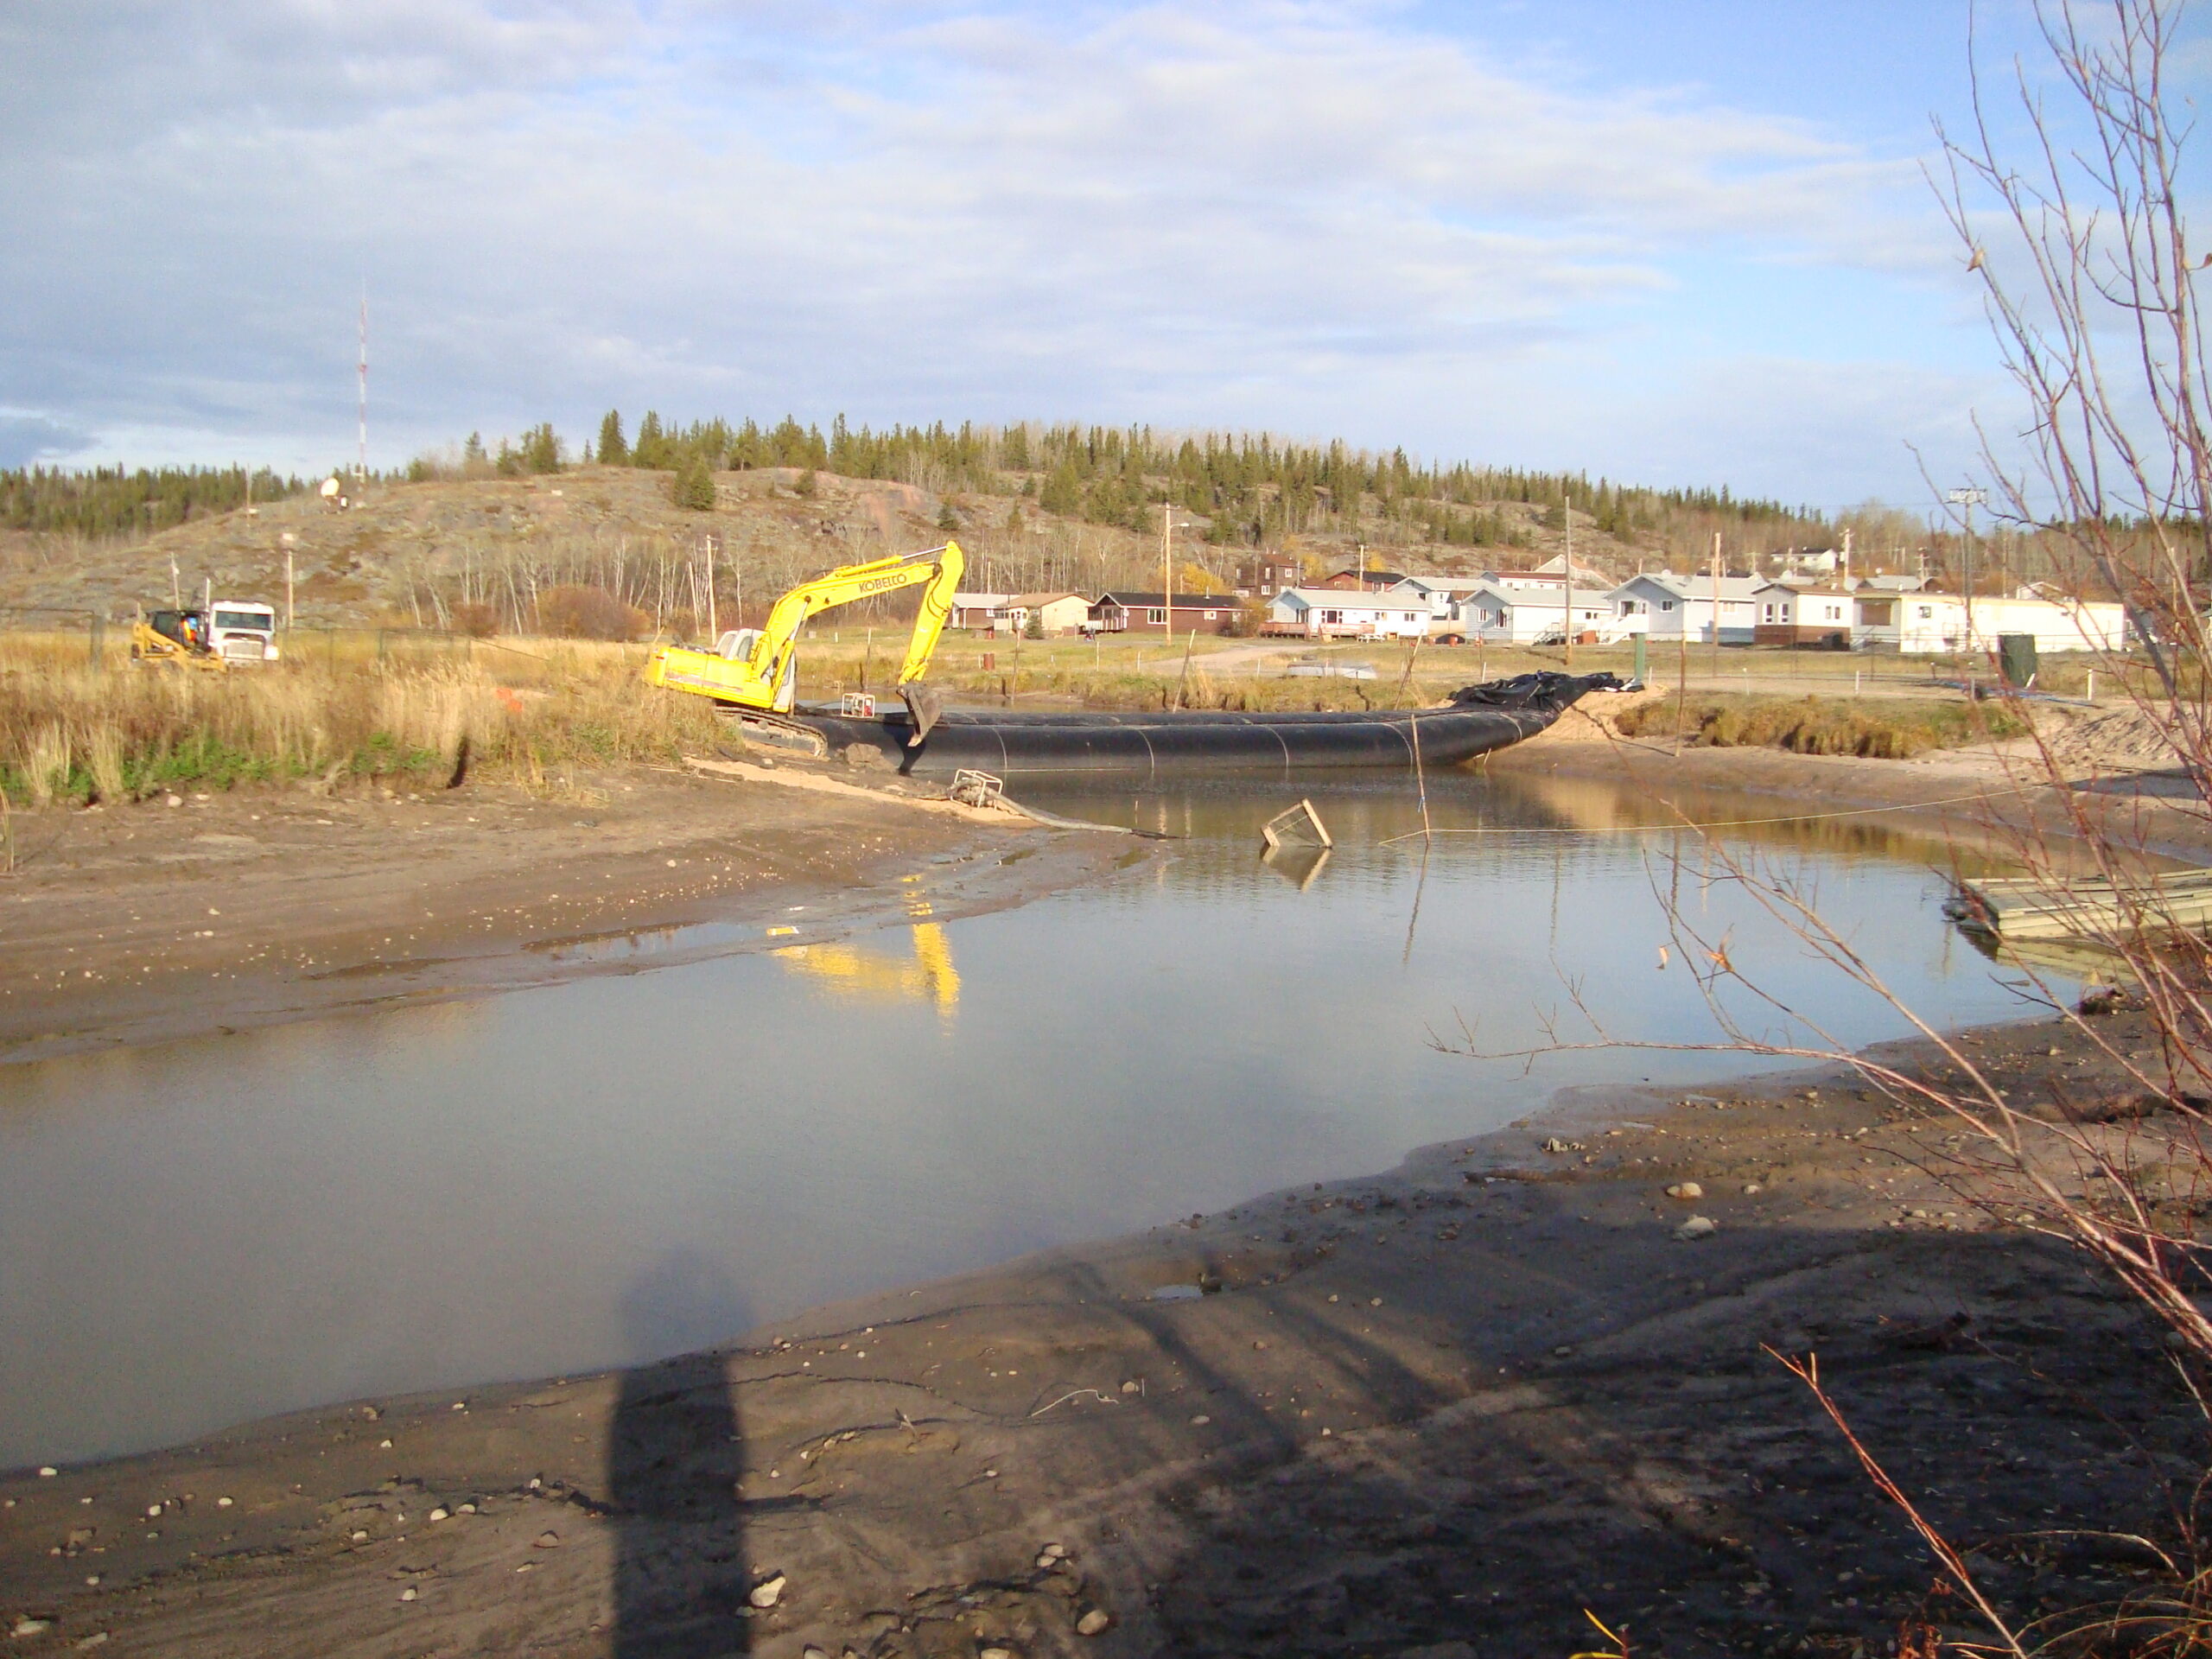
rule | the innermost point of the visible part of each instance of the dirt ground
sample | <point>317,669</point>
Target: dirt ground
<point>1441,1412</point>
<point>1444,1412</point>
<point>228,910</point>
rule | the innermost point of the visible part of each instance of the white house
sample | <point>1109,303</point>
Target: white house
<point>1926,623</point>
<point>1056,613</point>
<point>1538,615</point>
<point>1673,607</point>
<point>1792,615</point>
<point>1446,594</point>
<point>1335,613</point>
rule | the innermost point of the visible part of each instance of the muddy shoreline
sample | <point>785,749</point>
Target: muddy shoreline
<point>233,911</point>
<point>1457,1403</point>
<point>1442,1411</point>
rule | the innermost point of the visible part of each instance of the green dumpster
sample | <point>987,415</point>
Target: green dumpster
<point>2016,660</point>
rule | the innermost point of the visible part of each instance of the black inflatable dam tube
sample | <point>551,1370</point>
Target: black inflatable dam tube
<point>1189,743</point>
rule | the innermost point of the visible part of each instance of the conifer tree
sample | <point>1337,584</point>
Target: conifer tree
<point>541,448</point>
<point>693,484</point>
<point>613,447</point>
<point>651,448</point>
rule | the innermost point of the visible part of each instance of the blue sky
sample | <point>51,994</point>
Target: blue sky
<point>1668,243</point>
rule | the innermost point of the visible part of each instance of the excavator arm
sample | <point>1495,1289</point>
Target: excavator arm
<point>761,677</point>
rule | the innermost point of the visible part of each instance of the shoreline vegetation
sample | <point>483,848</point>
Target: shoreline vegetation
<point>400,708</point>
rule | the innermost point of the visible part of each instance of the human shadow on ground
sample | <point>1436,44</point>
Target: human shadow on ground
<point>675,1455</point>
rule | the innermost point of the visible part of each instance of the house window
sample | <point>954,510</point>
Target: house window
<point>1210,615</point>
<point>1667,605</point>
<point>1927,612</point>
<point>1157,615</point>
<point>1330,618</point>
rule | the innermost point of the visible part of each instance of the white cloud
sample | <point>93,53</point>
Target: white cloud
<point>1242,212</point>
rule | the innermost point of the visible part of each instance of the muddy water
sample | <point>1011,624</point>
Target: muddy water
<point>626,1165</point>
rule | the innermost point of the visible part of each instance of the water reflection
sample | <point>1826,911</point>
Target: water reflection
<point>205,1231</point>
<point>868,972</point>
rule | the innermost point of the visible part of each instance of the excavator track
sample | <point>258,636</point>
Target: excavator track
<point>780,734</point>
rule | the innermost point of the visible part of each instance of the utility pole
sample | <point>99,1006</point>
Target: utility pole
<point>288,581</point>
<point>1167,567</point>
<point>1716,607</point>
<point>1969,498</point>
<point>1847,556</point>
<point>1566,584</point>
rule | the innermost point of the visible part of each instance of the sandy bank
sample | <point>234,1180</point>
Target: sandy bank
<point>1454,1405</point>
<point>1991,796</point>
<point>140,922</point>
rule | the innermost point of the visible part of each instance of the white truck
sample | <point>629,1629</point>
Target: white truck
<point>242,630</point>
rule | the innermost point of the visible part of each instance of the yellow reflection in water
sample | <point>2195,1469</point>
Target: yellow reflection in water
<point>883,975</point>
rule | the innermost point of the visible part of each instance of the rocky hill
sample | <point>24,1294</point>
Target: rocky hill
<point>481,551</point>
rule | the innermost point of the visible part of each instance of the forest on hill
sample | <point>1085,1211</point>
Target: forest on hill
<point>104,502</point>
<point>1248,490</point>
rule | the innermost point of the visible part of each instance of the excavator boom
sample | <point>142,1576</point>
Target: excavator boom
<point>755,670</point>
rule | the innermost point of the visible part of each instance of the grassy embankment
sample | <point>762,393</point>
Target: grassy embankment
<point>530,711</point>
<point>1894,729</point>
<point>349,707</point>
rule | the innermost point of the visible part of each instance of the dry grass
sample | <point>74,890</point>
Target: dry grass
<point>69,731</point>
<point>1891,729</point>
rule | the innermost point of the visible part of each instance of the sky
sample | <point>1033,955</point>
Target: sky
<point>1665,241</point>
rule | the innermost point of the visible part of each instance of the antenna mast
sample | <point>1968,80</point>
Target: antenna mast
<point>361,457</point>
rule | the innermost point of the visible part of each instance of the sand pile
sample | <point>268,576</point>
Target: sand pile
<point>2124,739</point>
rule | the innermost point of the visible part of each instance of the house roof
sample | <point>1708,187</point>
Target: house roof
<point>1694,588</point>
<point>1127,600</point>
<point>1387,578</point>
<point>1798,590</point>
<point>1554,598</point>
<point>1449,584</point>
<point>978,601</point>
<point>1038,601</point>
<point>1349,598</point>
<point>1583,572</point>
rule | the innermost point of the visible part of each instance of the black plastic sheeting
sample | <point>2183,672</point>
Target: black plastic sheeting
<point>1193,742</point>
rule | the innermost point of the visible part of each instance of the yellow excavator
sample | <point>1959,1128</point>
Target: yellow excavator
<point>757,669</point>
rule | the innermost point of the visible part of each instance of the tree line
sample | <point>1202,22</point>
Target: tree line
<point>111,501</point>
<point>1251,489</point>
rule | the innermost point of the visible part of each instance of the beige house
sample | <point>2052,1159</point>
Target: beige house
<point>1056,613</point>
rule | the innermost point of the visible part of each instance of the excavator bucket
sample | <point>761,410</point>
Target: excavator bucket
<point>924,705</point>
